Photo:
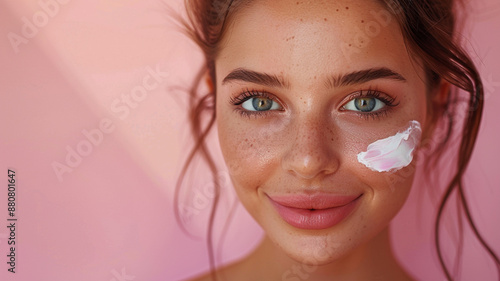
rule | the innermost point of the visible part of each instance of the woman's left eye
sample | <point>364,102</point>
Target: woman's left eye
<point>364,104</point>
<point>260,104</point>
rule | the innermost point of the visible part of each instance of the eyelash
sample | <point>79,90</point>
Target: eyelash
<point>248,94</point>
<point>370,93</point>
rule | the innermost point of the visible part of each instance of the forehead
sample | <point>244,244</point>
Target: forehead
<point>314,37</point>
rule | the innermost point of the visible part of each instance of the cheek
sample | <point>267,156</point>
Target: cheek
<point>391,193</point>
<point>394,152</point>
<point>248,152</point>
<point>386,190</point>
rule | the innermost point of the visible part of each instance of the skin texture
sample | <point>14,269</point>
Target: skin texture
<point>310,144</point>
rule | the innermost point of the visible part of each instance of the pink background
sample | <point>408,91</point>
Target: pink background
<point>112,215</point>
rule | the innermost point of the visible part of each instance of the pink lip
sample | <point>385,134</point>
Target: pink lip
<point>318,211</point>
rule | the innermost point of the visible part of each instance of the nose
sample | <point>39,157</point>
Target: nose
<point>312,152</point>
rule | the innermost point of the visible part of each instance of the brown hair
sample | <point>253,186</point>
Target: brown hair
<point>429,31</point>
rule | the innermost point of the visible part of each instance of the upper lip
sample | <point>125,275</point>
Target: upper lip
<point>315,201</point>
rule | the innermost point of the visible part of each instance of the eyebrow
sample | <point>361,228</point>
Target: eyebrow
<point>251,76</point>
<point>362,76</point>
<point>355,77</point>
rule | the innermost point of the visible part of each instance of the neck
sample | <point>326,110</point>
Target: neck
<point>372,260</point>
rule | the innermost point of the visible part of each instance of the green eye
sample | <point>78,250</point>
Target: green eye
<point>365,104</point>
<point>260,104</point>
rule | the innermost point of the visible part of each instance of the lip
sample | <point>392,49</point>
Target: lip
<point>318,211</point>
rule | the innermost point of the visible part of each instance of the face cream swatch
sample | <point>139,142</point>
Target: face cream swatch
<point>392,153</point>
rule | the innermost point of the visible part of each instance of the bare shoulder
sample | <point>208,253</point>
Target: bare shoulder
<point>204,277</point>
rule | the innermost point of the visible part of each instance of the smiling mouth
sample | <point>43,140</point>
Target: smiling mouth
<point>317,201</point>
<point>314,212</point>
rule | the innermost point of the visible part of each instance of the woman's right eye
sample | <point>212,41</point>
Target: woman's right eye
<point>260,104</point>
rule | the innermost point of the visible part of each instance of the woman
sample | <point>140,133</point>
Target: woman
<point>325,109</point>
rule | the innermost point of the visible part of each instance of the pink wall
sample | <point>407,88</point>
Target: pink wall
<point>92,86</point>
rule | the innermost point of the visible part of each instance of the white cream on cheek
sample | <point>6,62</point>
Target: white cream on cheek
<point>392,153</point>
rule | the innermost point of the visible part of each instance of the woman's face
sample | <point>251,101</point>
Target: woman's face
<point>302,88</point>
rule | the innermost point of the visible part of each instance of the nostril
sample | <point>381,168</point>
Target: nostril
<point>308,159</point>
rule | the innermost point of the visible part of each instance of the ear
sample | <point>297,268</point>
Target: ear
<point>441,95</point>
<point>209,82</point>
<point>437,105</point>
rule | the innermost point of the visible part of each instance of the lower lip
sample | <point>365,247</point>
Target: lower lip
<point>314,219</point>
